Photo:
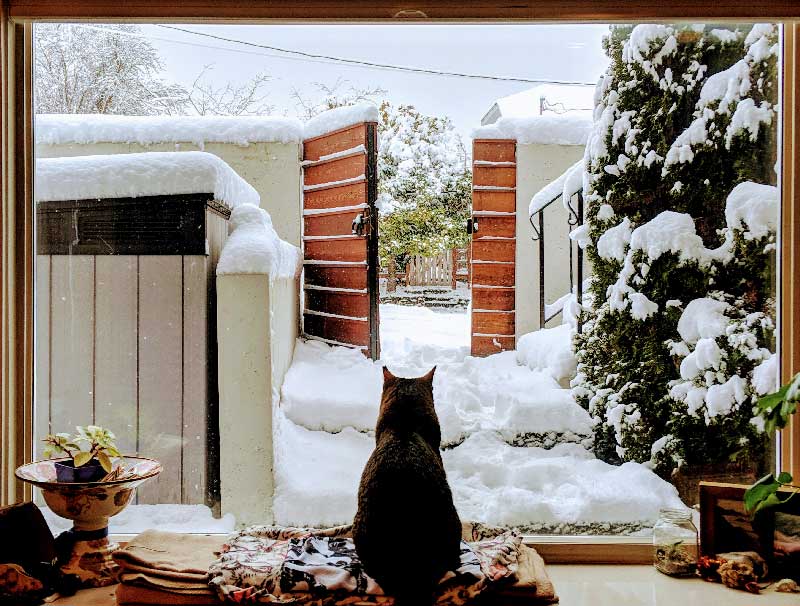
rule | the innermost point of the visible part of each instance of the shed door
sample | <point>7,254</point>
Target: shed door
<point>494,245</point>
<point>340,238</point>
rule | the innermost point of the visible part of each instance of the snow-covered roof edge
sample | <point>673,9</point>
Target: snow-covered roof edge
<point>341,117</point>
<point>254,247</point>
<point>140,174</point>
<point>56,129</point>
<point>567,184</point>
<point>564,129</point>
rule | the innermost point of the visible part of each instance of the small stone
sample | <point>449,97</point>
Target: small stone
<point>787,586</point>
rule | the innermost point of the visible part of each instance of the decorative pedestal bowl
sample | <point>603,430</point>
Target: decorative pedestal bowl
<point>89,505</point>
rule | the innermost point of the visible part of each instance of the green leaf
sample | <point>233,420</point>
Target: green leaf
<point>771,501</point>
<point>785,477</point>
<point>770,401</point>
<point>758,492</point>
<point>105,461</point>
<point>112,450</point>
<point>81,458</point>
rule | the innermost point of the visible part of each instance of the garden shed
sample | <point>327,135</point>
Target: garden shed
<point>127,247</point>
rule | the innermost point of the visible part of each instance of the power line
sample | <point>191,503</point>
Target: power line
<point>374,65</point>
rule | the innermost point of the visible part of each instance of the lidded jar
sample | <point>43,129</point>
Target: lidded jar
<point>675,542</point>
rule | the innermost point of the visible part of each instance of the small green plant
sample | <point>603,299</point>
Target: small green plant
<point>764,493</point>
<point>91,442</point>
<point>776,409</point>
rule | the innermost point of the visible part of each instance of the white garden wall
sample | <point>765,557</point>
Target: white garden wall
<point>272,168</point>
<point>537,165</point>
<point>257,327</point>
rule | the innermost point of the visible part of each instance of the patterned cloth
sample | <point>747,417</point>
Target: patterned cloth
<point>311,567</point>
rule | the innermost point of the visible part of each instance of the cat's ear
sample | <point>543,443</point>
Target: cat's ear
<point>429,377</point>
<point>387,375</point>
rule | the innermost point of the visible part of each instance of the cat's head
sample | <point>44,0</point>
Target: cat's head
<point>407,405</point>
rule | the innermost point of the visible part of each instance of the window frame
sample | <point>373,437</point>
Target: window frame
<point>16,179</point>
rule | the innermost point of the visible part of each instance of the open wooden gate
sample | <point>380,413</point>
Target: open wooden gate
<point>340,238</point>
<point>493,250</point>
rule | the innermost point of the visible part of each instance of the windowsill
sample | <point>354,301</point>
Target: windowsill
<point>589,585</point>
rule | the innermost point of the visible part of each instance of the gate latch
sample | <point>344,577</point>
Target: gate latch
<point>472,226</point>
<point>361,224</point>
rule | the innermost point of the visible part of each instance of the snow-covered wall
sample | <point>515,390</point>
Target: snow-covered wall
<point>537,165</point>
<point>265,152</point>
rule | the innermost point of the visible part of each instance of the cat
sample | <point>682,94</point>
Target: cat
<point>406,531</point>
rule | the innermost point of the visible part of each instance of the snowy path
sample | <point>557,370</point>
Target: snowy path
<point>516,442</point>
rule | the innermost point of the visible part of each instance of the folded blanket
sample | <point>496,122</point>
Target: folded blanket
<point>316,567</point>
<point>171,563</point>
<point>184,556</point>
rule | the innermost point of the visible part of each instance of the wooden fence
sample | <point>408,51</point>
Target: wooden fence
<point>444,269</point>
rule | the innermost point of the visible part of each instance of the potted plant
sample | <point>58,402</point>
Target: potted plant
<point>90,452</point>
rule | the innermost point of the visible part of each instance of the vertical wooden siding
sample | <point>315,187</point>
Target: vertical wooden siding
<point>122,341</point>
<point>493,250</point>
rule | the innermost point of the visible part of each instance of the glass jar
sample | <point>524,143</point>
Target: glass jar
<point>675,542</point>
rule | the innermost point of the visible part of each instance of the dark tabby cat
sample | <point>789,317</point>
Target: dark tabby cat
<point>406,531</point>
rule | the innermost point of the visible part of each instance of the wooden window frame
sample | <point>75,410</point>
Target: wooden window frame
<point>16,175</point>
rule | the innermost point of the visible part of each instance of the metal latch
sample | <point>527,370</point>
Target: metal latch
<point>361,224</point>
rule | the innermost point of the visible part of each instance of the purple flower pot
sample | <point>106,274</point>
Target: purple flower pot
<point>91,472</point>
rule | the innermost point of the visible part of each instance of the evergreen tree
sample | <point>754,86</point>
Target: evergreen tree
<point>425,186</point>
<point>683,116</point>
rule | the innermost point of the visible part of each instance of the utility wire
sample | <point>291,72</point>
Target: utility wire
<point>374,65</point>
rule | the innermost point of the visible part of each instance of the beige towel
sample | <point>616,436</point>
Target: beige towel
<point>533,584</point>
<point>163,584</point>
<point>134,595</point>
<point>167,553</point>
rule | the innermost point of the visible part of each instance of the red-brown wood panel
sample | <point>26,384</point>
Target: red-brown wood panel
<point>501,299</point>
<point>493,274</point>
<point>494,201</point>
<point>337,263</point>
<point>486,346</point>
<point>496,176</point>
<point>347,248</point>
<point>333,276</point>
<point>336,141</point>
<point>342,303</point>
<point>341,330</point>
<point>330,224</point>
<point>495,150</point>
<point>494,250</point>
<point>348,194</point>
<point>493,323</point>
<point>504,226</point>
<point>335,170</point>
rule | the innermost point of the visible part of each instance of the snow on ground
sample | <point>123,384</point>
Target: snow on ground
<point>171,518</point>
<point>515,442</point>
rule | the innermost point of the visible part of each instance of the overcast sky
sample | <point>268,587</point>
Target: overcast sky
<point>560,52</point>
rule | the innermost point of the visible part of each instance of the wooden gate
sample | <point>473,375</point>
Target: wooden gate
<point>340,238</point>
<point>493,250</point>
